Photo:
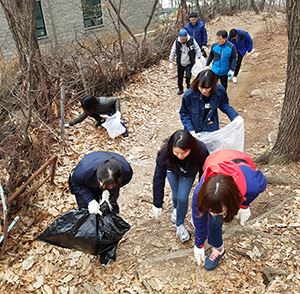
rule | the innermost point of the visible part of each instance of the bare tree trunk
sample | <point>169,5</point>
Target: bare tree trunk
<point>262,5</point>
<point>254,7</point>
<point>287,146</point>
<point>150,19</point>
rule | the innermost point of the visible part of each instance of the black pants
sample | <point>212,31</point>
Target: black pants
<point>238,64</point>
<point>224,81</point>
<point>180,73</point>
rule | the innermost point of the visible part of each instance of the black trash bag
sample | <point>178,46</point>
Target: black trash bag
<point>90,233</point>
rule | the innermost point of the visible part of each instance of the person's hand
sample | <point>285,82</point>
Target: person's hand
<point>105,197</point>
<point>171,66</point>
<point>207,67</point>
<point>66,126</point>
<point>244,214</point>
<point>230,74</point>
<point>204,47</point>
<point>94,207</point>
<point>156,212</point>
<point>199,254</point>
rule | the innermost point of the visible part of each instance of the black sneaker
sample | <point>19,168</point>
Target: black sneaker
<point>180,92</point>
<point>125,134</point>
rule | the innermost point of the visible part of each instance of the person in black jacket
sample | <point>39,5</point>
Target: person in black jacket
<point>179,159</point>
<point>99,176</point>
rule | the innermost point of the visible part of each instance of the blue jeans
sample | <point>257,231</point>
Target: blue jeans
<point>181,187</point>
<point>215,224</point>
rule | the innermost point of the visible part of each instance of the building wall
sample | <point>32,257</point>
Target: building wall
<point>64,22</point>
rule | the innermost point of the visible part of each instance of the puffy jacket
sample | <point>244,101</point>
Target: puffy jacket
<point>193,108</point>
<point>223,58</point>
<point>84,177</point>
<point>198,32</point>
<point>244,43</point>
<point>161,169</point>
<point>250,182</point>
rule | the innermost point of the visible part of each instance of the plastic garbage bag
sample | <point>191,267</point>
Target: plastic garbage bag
<point>114,125</point>
<point>90,233</point>
<point>229,137</point>
<point>199,65</point>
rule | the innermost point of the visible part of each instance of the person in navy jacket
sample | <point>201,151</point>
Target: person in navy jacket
<point>243,44</point>
<point>199,108</point>
<point>223,56</point>
<point>196,29</point>
<point>99,175</point>
<point>230,182</point>
<point>179,160</point>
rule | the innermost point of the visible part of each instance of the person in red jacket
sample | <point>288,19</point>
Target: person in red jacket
<point>230,182</point>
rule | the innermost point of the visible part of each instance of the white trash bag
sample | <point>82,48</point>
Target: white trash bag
<point>199,65</point>
<point>229,137</point>
<point>114,125</point>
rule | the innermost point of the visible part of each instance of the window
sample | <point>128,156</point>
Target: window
<point>92,13</point>
<point>39,20</point>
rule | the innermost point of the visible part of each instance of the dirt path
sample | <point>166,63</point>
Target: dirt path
<point>150,259</point>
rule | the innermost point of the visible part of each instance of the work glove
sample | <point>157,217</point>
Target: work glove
<point>105,197</point>
<point>230,74</point>
<point>66,126</point>
<point>156,212</point>
<point>171,66</point>
<point>94,207</point>
<point>199,254</point>
<point>207,67</point>
<point>244,214</point>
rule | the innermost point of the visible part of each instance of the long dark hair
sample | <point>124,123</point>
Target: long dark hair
<point>205,79</point>
<point>183,140</point>
<point>218,191</point>
<point>110,173</point>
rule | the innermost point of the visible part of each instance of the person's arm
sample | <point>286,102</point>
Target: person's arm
<point>232,59</point>
<point>80,118</point>
<point>204,35</point>
<point>203,155</point>
<point>249,42</point>
<point>197,49</point>
<point>117,105</point>
<point>210,56</point>
<point>159,179</point>
<point>81,189</point>
<point>225,106</point>
<point>256,184</point>
<point>173,51</point>
<point>185,115</point>
<point>200,222</point>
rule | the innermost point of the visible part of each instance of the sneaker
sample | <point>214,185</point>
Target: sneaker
<point>212,261</point>
<point>234,80</point>
<point>182,233</point>
<point>173,216</point>
<point>180,92</point>
<point>125,134</point>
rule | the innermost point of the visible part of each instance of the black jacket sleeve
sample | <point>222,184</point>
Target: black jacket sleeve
<point>159,178</point>
<point>203,155</point>
<point>80,118</point>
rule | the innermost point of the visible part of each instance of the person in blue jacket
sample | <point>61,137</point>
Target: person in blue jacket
<point>200,103</point>
<point>230,182</point>
<point>196,29</point>
<point>243,44</point>
<point>179,160</point>
<point>223,58</point>
<point>99,176</point>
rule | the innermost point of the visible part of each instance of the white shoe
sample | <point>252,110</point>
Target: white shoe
<point>182,233</point>
<point>234,80</point>
<point>173,216</point>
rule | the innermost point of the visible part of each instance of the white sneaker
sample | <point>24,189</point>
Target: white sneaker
<point>173,216</point>
<point>182,233</point>
<point>234,80</point>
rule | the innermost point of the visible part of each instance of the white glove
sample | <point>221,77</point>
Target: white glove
<point>244,214</point>
<point>156,212</point>
<point>67,126</point>
<point>171,66</point>
<point>204,48</point>
<point>94,207</point>
<point>199,254</point>
<point>105,197</point>
<point>230,74</point>
<point>207,67</point>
